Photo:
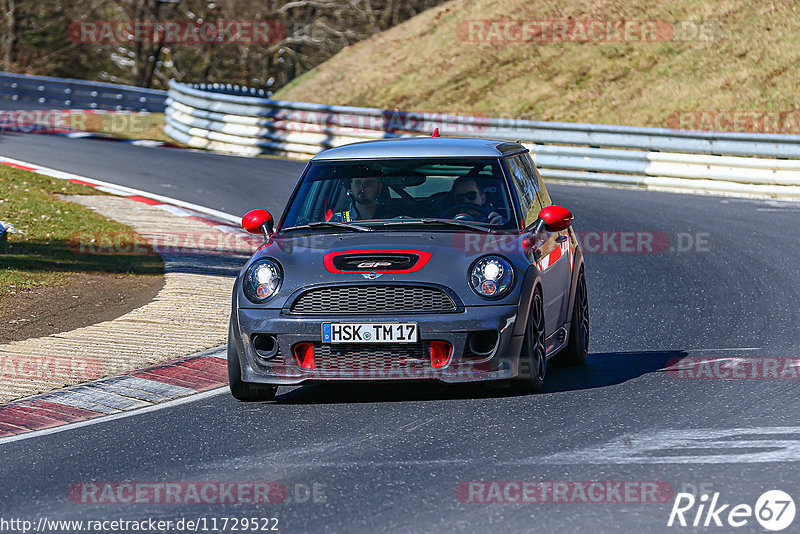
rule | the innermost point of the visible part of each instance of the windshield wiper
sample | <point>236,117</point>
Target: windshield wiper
<point>442,222</point>
<point>328,224</point>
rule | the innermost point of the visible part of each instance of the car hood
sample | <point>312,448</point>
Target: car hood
<point>451,254</point>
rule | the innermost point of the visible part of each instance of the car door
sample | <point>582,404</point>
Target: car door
<point>527,189</point>
<point>559,264</point>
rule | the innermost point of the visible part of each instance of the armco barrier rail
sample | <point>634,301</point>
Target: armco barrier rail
<point>243,121</point>
<point>57,93</point>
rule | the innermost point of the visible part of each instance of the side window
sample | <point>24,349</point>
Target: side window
<point>515,171</point>
<point>544,196</point>
<point>527,186</point>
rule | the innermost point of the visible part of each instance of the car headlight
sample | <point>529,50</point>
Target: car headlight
<point>491,277</point>
<point>262,281</point>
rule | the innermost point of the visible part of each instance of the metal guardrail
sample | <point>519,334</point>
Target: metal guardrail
<point>241,120</point>
<point>63,92</point>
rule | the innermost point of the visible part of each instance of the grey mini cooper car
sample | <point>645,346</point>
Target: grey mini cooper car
<point>410,259</point>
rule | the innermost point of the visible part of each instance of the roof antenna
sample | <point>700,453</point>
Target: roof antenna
<point>436,133</point>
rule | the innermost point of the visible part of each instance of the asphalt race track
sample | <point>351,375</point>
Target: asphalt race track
<point>723,282</point>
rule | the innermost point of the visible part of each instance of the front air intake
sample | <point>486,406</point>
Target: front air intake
<point>380,299</point>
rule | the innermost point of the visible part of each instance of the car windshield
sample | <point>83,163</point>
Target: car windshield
<point>394,194</point>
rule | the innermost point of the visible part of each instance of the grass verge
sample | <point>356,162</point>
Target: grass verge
<point>43,250</point>
<point>137,126</point>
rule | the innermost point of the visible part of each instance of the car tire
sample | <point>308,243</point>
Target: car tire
<point>241,390</point>
<point>532,357</point>
<point>577,348</point>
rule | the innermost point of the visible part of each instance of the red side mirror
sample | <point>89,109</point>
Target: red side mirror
<point>556,218</point>
<point>257,222</point>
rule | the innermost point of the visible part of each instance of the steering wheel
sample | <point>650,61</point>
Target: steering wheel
<point>467,212</point>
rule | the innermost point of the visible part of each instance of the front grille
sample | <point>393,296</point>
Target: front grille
<point>373,299</point>
<point>372,357</point>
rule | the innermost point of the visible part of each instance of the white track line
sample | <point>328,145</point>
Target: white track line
<point>124,190</point>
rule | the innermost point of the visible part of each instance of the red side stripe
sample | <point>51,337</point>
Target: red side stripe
<point>555,255</point>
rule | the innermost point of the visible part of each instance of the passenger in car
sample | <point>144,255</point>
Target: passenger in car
<point>366,195</point>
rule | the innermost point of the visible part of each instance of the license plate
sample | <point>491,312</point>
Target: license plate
<point>369,332</point>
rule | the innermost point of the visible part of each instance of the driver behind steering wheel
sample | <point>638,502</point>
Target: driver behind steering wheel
<point>465,190</point>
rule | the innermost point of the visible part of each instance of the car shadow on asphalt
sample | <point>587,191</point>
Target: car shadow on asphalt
<point>609,369</point>
<point>601,370</point>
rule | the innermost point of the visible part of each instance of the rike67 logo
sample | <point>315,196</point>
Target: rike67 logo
<point>774,511</point>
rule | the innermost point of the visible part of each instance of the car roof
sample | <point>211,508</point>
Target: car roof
<point>422,147</point>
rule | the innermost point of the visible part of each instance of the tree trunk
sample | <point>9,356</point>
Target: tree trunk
<point>10,36</point>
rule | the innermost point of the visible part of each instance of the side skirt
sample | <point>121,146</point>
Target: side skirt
<point>557,340</point>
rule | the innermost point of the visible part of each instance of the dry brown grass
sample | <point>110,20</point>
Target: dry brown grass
<point>422,65</point>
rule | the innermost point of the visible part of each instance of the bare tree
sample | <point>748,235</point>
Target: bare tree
<point>314,30</point>
<point>9,39</point>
